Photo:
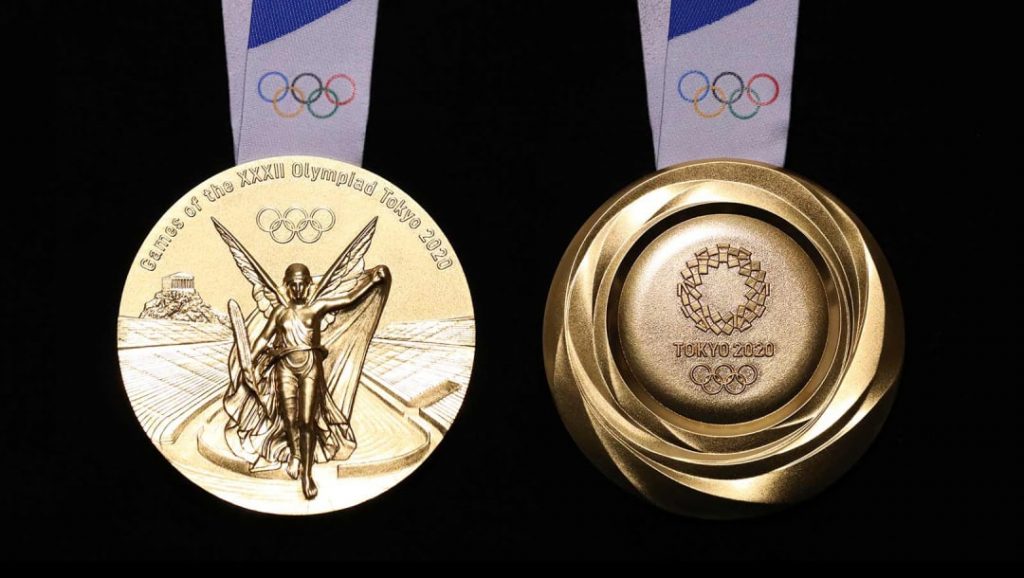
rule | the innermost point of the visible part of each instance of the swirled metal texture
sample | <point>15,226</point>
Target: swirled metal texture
<point>688,461</point>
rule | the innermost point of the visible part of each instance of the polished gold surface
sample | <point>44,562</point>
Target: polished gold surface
<point>723,338</point>
<point>713,368</point>
<point>296,335</point>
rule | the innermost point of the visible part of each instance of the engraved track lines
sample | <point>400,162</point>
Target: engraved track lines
<point>168,384</point>
<point>380,430</point>
<point>414,360</point>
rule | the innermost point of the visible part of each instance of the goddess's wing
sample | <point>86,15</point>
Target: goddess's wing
<point>347,265</point>
<point>266,293</point>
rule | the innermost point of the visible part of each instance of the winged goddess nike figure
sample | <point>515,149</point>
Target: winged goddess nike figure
<point>295,369</point>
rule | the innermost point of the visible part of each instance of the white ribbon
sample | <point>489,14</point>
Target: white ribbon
<point>299,76</point>
<point>719,77</point>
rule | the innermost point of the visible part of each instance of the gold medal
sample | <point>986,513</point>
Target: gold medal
<point>723,338</point>
<point>296,335</point>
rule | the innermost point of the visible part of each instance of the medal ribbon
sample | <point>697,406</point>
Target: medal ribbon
<point>719,77</point>
<point>299,76</point>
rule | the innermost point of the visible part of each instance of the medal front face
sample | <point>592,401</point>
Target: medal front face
<point>724,338</point>
<point>296,335</point>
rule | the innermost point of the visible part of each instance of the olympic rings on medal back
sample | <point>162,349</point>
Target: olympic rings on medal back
<point>305,98</point>
<point>725,376</point>
<point>728,98</point>
<point>295,221</point>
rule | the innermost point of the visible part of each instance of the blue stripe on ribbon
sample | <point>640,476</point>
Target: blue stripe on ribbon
<point>689,15</point>
<point>272,19</point>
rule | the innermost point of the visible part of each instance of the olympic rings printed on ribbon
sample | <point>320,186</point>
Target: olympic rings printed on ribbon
<point>733,380</point>
<point>302,99</point>
<point>728,98</point>
<point>295,222</point>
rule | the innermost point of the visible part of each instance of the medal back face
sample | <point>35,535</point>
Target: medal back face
<point>296,335</point>
<point>723,338</point>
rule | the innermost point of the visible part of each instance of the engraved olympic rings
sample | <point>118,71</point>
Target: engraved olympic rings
<point>305,99</point>
<point>295,222</point>
<point>727,98</point>
<point>733,380</point>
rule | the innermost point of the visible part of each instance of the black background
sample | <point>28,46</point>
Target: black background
<point>511,122</point>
